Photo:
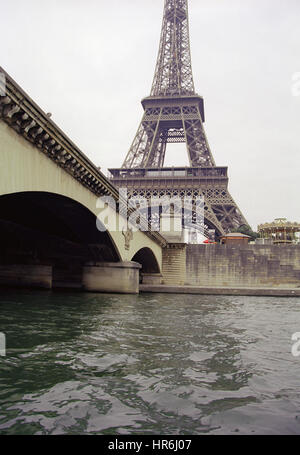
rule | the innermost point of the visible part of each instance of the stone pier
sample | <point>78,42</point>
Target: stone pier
<point>111,277</point>
<point>26,276</point>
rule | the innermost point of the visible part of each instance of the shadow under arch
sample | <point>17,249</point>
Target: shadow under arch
<point>48,228</point>
<point>147,259</point>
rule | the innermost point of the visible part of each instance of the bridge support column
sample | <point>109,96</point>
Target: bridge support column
<point>111,277</point>
<point>174,264</point>
<point>28,276</point>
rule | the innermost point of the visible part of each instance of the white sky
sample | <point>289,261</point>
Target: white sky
<point>90,62</point>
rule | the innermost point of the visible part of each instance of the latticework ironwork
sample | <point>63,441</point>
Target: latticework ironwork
<point>175,113</point>
<point>188,184</point>
<point>173,76</point>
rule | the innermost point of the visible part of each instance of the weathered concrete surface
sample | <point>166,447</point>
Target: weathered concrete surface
<point>31,276</point>
<point>272,292</point>
<point>245,270</point>
<point>152,278</point>
<point>257,266</point>
<point>114,277</point>
<point>174,264</point>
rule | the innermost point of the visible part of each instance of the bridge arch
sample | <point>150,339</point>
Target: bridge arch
<point>51,229</point>
<point>27,169</point>
<point>147,259</point>
<point>58,216</point>
<point>150,272</point>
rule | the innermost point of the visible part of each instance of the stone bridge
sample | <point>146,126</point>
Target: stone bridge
<point>49,204</point>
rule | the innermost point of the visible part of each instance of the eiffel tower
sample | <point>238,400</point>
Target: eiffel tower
<point>174,113</point>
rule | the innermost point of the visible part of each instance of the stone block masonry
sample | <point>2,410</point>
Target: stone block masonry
<point>174,264</point>
<point>242,266</point>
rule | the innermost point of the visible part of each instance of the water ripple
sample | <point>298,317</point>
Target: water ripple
<point>163,364</point>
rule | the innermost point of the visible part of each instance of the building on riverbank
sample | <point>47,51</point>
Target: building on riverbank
<point>235,238</point>
<point>280,231</point>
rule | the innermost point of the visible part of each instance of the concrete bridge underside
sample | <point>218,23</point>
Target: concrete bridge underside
<point>48,228</point>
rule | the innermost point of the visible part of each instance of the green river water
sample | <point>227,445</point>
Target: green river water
<point>79,363</point>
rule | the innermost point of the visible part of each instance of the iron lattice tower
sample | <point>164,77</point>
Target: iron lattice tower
<point>174,113</point>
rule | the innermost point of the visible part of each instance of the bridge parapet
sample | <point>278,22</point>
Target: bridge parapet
<point>20,112</point>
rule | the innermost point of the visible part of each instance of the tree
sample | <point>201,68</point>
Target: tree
<point>246,229</point>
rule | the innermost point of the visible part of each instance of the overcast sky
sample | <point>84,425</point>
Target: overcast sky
<point>90,62</point>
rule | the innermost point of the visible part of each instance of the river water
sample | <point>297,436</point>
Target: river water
<point>149,364</point>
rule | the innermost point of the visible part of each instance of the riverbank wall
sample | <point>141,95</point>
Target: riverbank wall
<point>186,268</point>
<point>218,290</point>
<point>250,266</point>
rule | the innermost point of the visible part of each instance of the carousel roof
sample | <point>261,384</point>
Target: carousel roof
<point>280,223</point>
